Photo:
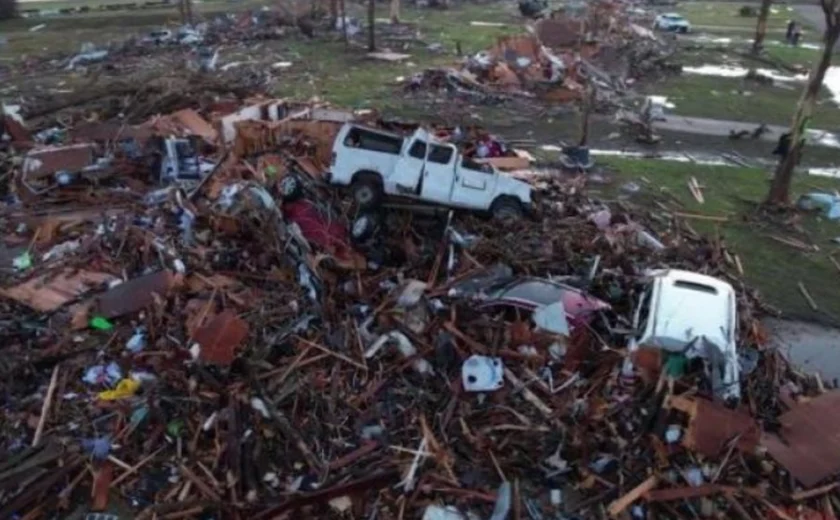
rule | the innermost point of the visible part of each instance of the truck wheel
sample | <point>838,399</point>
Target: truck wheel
<point>290,188</point>
<point>367,190</point>
<point>507,209</point>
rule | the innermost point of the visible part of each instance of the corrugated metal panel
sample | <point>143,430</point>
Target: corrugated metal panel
<point>809,442</point>
<point>135,294</point>
<point>45,162</point>
<point>49,292</point>
<point>715,426</point>
<point>220,338</point>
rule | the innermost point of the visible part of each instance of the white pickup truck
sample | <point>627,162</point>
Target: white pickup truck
<point>375,164</point>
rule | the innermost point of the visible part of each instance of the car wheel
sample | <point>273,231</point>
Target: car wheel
<point>290,188</point>
<point>683,30</point>
<point>367,190</point>
<point>507,209</point>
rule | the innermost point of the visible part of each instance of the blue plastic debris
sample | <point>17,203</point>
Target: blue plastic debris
<point>827,203</point>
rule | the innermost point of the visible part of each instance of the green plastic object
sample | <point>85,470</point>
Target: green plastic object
<point>675,365</point>
<point>100,323</point>
<point>22,261</point>
<point>174,428</point>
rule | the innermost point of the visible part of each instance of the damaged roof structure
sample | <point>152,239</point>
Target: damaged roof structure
<point>559,58</point>
<point>198,325</point>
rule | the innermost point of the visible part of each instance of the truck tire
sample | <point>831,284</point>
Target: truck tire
<point>506,208</point>
<point>290,188</point>
<point>367,190</point>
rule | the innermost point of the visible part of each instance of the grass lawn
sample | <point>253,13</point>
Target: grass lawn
<point>798,56</point>
<point>726,14</point>
<point>726,98</point>
<point>354,80</point>
<point>774,269</point>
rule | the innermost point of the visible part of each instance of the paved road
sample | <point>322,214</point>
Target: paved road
<point>721,128</point>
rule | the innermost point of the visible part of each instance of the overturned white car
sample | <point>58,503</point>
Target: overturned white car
<point>418,167</point>
<point>694,315</point>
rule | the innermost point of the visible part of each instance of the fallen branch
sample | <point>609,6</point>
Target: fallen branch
<point>45,409</point>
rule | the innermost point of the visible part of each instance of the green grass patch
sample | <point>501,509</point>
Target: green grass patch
<point>739,100</point>
<point>769,266</point>
<point>726,15</point>
<point>346,77</point>
<point>798,56</point>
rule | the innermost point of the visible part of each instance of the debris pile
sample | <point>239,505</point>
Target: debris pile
<point>198,326</point>
<point>559,58</point>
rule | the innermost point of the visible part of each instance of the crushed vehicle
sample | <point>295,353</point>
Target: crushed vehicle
<point>530,294</point>
<point>158,37</point>
<point>375,164</point>
<point>672,22</point>
<point>555,307</point>
<point>687,313</point>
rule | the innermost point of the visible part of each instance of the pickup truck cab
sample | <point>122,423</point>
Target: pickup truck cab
<point>375,164</point>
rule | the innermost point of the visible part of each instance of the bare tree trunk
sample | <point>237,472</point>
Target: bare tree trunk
<point>395,11</point>
<point>344,23</point>
<point>780,187</point>
<point>588,105</point>
<point>8,9</point>
<point>371,25</point>
<point>334,13</point>
<point>189,11</point>
<point>761,26</point>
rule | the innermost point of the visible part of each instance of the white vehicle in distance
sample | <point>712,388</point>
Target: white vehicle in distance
<point>376,164</point>
<point>693,314</point>
<point>672,22</point>
<point>158,37</point>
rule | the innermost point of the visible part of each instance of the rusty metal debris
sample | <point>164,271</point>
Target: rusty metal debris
<point>242,341</point>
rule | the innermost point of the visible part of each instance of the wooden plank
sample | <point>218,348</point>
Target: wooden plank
<point>622,503</point>
<point>807,296</point>
<point>698,216</point>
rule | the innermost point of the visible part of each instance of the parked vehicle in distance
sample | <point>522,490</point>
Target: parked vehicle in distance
<point>158,37</point>
<point>375,164</point>
<point>693,314</point>
<point>671,22</point>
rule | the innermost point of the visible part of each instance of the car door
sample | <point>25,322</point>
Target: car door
<point>409,168</point>
<point>474,184</point>
<point>439,173</point>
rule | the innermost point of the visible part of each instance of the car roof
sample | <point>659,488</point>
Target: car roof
<point>672,15</point>
<point>539,291</point>
<point>691,304</point>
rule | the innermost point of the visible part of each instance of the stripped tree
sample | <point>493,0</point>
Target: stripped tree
<point>395,11</point>
<point>371,25</point>
<point>334,13</point>
<point>761,26</point>
<point>791,149</point>
<point>8,9</point>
